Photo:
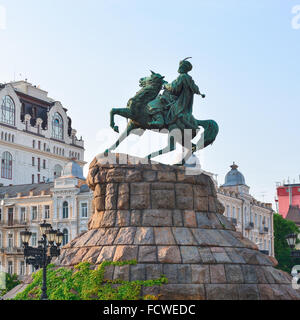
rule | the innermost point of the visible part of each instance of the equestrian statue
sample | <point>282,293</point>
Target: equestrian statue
<point>168,112</point>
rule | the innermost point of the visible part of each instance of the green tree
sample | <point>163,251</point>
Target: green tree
<point>283,227</point>
<point>11,282</point>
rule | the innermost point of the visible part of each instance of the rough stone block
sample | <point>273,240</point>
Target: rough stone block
<point>137,272</point>
<point>109,273</point>
<point>190,219</point>
<point>99,203</point>
<point>121,273</point>
<point>182,177</point>
<point>163,236</point>
<point>170,271</point>
<point>184,236</point>
<point>202,220</point>
<point>200,273</point>
<point>106,254</point>
<point>139,188</point>
<point>200,191</point>
<point>221,291</point>
<point>140,201</point>
<point>136,218</point>
<point>248,292</point>
<point>123,218</point>
<point>177,218</point>
<point>103,237</point>
<point>108,218</point>
<point>217,273</point>
<point>163,199</point>
<point>115,175</point>
<point>206,255</point>
<point>234,273</point>
<point>125,235</point>
<point>220,255</point>
<point>147,254</point>
<point>133,176</point>
<point>149,175</point>
<point>153,271</point>
<point>167,176</point>
<point>190,254</point>
<point>125,253</point>
<point>92,255</point>
<point>144,235</point>
<point>184,273</point>
<point>249,273</point>
<point>182,292</point>
<point>169,254</point>
<point>157,217</point>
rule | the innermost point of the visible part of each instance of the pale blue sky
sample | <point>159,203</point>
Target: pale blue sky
<point>90,55</point>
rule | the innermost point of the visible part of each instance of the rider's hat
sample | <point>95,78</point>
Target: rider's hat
<point>186,64</point>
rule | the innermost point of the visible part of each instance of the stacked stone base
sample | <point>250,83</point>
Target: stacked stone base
<point>171,224</point>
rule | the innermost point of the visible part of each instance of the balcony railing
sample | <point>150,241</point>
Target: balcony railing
<point>13,223</point>
<point>12,250</point>
<point>249,226</point>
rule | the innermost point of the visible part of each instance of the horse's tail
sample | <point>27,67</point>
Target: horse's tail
<point>211,130</point>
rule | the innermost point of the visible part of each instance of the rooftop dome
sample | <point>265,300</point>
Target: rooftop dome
<point>73,169</point>
<point>234,177</point>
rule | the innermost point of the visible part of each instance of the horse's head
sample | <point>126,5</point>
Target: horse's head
<point>155,79</point>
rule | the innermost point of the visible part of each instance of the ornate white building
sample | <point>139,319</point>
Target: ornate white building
<point>64,203</point>
<point>36,135</point>
<point>252,218</point>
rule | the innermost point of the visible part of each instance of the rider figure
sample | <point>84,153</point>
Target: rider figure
<point>184,88</point>
<point>175,106</point>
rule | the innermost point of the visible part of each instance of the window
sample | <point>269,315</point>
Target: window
<point>228,211</point>
<point>32,179</point>
<point>39,164</point>
<point>22,268</point>
<point>33,213</point>
<point>233,213</point>
<point>10,240</point>
<point>33,144</point>
<point>39,145</point>
<point>84,211</point>
<point>33,161</point>
<point>65,210</point>
<point>57,127</point>
<point>44,146</point>
<point>239,214</point>
<point>47,212</point>
<point>23,214</point>
<point>39,178</point>
<point>44,164</point>
<point>10,267</point>
<point>66,237</point>
<point>10,214</point>
<point>33,239</point>
<point>7,115</point>
<point>0,240</point>
<point>0,214</point>
<point>6,165</point>
<point>57,171</point>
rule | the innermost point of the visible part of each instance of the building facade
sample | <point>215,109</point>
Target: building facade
<point>64,203</point>
<point>36,135</point>
<point>287,195</point>
<point>252,218</point>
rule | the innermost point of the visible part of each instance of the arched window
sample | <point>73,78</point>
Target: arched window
<point>65,210</point>
<point>7,115</point>
<point>6,165</point>
<point>57,171</point>
<point>57,127</point>
<point>66,237</point>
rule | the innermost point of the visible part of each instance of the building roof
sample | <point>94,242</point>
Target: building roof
<point>73,169</point>
<point>25,189</point>
<point>294,214</point>
<point>234,177</point>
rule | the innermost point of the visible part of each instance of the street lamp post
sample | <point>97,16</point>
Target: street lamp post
<point>291,240</point>
<point>39,257</point>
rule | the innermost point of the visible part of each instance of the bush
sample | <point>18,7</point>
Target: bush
<point>11,282</point>
<point>83,283</point>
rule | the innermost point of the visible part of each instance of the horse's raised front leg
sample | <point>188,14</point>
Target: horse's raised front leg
<point>131,126</point>
<point>123,112</point>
